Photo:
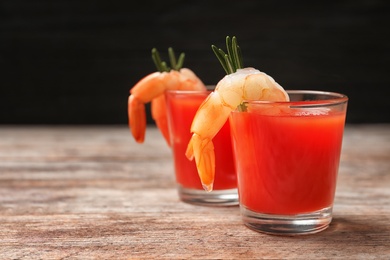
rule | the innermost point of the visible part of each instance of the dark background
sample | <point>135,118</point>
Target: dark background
<point>74,61</point>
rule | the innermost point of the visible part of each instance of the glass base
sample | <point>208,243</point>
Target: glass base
<point>288,225</point>
<point>214,198</point>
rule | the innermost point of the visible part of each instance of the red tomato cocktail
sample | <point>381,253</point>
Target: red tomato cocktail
<point>181,109</point>
<point>287,155</point>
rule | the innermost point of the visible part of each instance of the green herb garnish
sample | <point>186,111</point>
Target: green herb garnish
<point>162,65</point>
<point>232,60</point>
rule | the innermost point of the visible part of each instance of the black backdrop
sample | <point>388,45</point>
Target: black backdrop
<point>73,62</point>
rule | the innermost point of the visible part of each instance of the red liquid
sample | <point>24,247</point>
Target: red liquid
<point>287,164</point>
<point>182,109</point>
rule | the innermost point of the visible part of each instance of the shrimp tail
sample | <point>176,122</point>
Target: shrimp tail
<point>203,151</point>
<point>159,115</point>
<point>190,150</point>
<point>137,118</point>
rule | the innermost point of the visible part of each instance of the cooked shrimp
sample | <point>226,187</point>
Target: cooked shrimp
<point>151,89</point>
<point>230,92</point>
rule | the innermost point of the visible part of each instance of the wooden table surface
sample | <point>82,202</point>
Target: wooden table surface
<point>93,193</point>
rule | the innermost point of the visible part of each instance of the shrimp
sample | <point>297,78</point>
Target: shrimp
<point>231,91</point>
<point>151,89</point>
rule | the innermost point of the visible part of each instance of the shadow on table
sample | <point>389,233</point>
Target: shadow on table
<point>351,230</point>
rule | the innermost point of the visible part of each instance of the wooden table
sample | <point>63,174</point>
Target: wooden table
<point>93,193</point>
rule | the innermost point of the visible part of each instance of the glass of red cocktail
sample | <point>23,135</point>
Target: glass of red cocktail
<point>181,109</point>
<point>287,158</point>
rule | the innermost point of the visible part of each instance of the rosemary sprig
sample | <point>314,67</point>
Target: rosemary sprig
<point>162,65</point>
<point>232,60</point>
<point>176,65</point>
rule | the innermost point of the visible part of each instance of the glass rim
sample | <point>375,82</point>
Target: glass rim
<point>334,98</point>
<point>209,89</point>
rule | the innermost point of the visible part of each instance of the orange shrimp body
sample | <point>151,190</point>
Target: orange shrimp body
<point>151,89</point>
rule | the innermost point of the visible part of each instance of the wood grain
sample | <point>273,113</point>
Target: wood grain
<point>93,193</point>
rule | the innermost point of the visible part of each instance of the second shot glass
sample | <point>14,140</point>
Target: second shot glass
<point>181,109</point>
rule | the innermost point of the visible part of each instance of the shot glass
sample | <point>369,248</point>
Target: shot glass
<point>287,158</point>
<point>181,109</point>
